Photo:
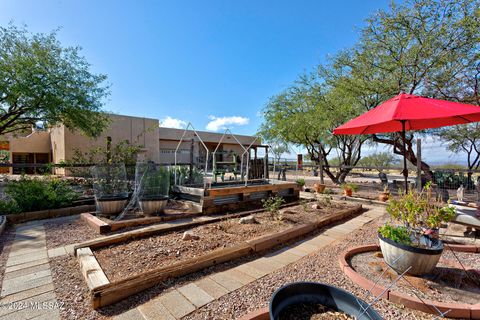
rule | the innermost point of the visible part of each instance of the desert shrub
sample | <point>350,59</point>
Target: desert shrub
<point>273,205</point>
<point>31,194</point>
<point>9,206</point>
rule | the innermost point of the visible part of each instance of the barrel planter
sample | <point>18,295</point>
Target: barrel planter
<point>152,205</point>
<point>301,293</point>
<point>110,206</point>
<point>400,256</point>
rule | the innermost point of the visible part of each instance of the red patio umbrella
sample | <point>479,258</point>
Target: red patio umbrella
<point>406,112</point>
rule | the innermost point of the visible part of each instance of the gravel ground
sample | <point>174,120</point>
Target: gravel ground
<point>321,267</point>
<point>134,257</point>
<point>6,240</point>
<point>70,288</point>
<point>447,283</point>
<point>61,233</point>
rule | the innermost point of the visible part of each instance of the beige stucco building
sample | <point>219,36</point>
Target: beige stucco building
<point>158,143</point>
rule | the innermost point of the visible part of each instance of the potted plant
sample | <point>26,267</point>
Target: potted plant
<point>384,195</point>
<point>301,183</point>
<point>319,187</point>
<point>110,188</point>
<point>154,186</point>
<point>349,188</point>
<point>408,246</point>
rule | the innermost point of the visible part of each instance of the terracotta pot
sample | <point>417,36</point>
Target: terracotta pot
<point>384,196</point>
<point>400,257</point>
<point>347,192</point>
<point>319,187</point>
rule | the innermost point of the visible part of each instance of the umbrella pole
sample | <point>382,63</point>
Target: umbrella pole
<point>405,171</point>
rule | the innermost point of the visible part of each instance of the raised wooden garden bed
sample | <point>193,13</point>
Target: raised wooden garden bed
<point>103,294</point>
<point>50,213</point>
<point>104,225</point>
<point>232,196</point>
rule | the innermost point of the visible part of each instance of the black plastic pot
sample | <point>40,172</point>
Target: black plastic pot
<point>329,296</point>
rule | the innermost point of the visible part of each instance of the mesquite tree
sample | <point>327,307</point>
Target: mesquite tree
<point>43,82</point>
<point>422,47</point>
<point>305,114</point>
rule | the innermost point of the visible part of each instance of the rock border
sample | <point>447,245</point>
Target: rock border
<point>458,310</point>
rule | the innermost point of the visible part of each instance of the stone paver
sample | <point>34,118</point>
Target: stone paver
<point>211,287</point>
<point>184,300</point>
<point>176,304</point>
<point>56,252</point>
<point>27,278</point>
<point>154,310</point>
<point>196,295</point>
<point>132,314</point>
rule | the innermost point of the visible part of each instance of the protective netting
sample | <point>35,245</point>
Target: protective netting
<point>109,181</point>
<point>152,181</point>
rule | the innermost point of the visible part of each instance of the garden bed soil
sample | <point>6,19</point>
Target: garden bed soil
<point>137,256</point>
<point>61,233</point>
<point>449,282</point>
<point>312,312</point>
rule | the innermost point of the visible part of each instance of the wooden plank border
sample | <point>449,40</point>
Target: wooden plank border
<point>108,293</point>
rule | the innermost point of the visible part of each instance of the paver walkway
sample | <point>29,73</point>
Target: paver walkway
<point>177,303</point>
<point>27,288</point>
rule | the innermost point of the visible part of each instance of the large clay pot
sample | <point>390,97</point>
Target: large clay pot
<point>150,206</point>
<point>400,257</point>
<point>319,187</point>
<point>318,293</point>
<point>384,196</point>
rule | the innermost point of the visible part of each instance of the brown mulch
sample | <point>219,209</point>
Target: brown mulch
<point>321,266</point>
<point>447,283</point>
<point>65,232</point>
<point>134,257</point>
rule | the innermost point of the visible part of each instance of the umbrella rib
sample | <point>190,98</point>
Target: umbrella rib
<point>465,119</point>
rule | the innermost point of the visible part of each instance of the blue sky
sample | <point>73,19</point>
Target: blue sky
<point>212,63</point>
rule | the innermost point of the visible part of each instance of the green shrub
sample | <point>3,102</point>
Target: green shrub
<point>9,206</point>
<point>301,182</point>
<point>273,205</point>
<point>398,234</point>
<point>31,194</point>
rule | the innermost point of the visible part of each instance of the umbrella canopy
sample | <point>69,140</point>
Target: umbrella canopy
<point>416,112</point>
<point>406,112</point>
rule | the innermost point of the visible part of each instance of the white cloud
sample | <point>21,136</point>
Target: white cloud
<point>170,122</point>
<point>222,123</point>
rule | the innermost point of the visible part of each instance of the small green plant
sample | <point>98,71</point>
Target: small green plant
<point>273,205</point>
<point>304,204</point>
<point>398,234</point>
<point>328,191</point>
<point>417,212</point>
<point>301,182</point>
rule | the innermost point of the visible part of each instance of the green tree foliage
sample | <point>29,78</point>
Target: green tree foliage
<point>41,81</point>
<point>464,138</point>
<point>306,113</point>
<point>422,47</point>
<point>378,160</point>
